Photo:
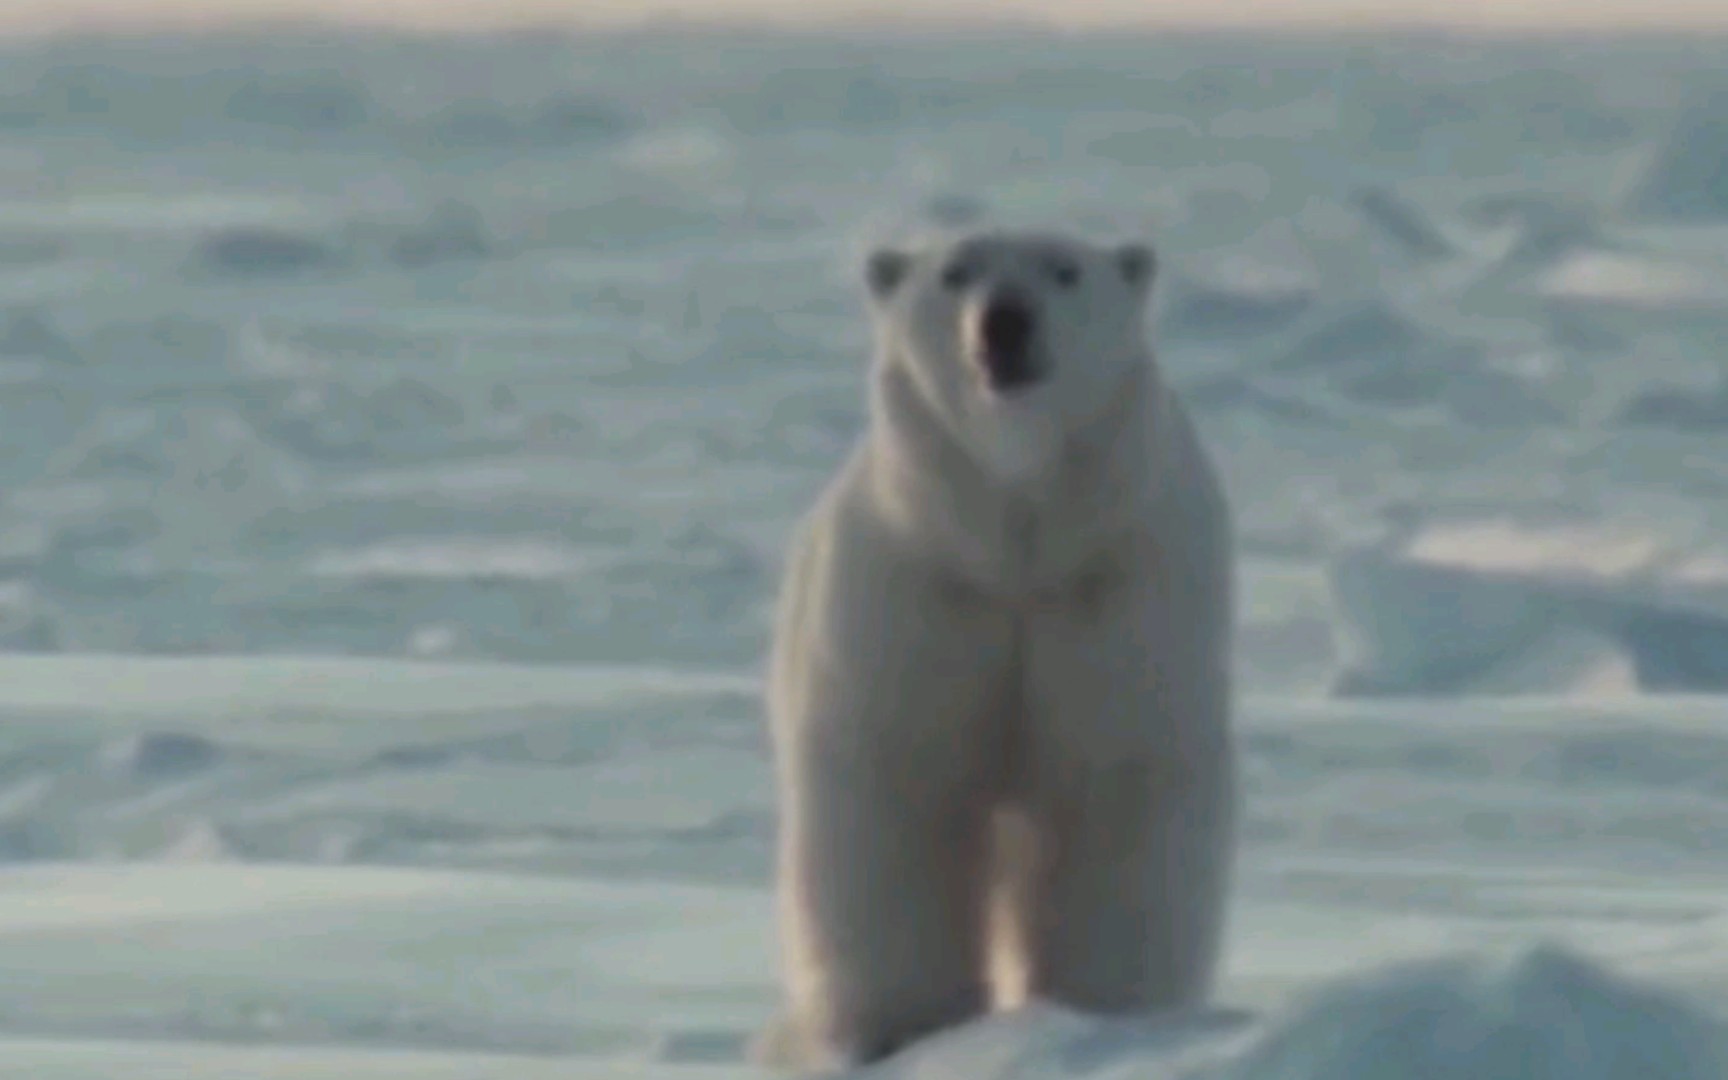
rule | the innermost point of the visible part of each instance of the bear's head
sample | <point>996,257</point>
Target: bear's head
<point>1013,339</point>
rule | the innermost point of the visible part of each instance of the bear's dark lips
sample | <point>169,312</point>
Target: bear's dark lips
<point>1005,395</point>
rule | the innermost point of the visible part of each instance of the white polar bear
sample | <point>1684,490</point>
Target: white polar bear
<point>998,692</point>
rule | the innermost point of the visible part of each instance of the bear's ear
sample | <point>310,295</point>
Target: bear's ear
<point>1137,263</point>
<point>884,270</point>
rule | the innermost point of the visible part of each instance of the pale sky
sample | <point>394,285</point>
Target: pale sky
<point>37,15</point>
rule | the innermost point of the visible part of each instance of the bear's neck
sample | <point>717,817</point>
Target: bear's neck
<point>1016,537</point>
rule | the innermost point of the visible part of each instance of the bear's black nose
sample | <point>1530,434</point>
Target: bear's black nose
<point>1006,331</point>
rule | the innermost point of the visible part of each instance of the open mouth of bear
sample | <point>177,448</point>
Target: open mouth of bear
<point>1006,338</point>
<point>1009,373</point>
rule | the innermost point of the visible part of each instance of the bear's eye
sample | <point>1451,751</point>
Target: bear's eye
<point>955,276</point>
<point>1065,274</point>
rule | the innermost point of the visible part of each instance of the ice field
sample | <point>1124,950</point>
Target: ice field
<point>398,438</point>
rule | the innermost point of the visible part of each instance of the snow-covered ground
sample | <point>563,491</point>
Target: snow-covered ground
<point>398,438</point>
<point>342,868</point>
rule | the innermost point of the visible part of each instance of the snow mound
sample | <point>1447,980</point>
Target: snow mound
<point>1688,181</point>
<point>1546,227</point>
<point>160,754</point>
<point>1498,607</point>
<point>1633,282</point>
<point>259,252</point>
<point>1402,223</point>
<point>1235,305</point>
<point>1540,1013</point>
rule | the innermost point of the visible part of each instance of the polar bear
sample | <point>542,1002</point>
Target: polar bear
<point>998,689</point>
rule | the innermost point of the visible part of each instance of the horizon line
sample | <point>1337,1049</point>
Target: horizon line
<point>110,18</point>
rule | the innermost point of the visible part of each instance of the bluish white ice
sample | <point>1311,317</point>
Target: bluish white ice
<point>398,438</point>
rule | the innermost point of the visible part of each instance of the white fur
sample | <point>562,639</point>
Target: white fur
<point>1017,606</point>
<point>1017,446</point>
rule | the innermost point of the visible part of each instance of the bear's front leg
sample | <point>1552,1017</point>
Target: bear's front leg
<point>1136,787</point>
<point>1134,898</point>
<point>881,900</point>
<point>883,693</point>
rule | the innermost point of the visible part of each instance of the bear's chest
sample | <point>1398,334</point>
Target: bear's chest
<point>1048,559</point>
